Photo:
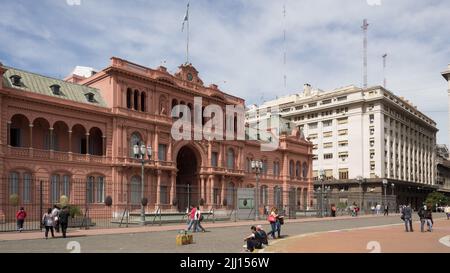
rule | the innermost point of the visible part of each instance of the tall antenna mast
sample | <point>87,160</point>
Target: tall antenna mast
<point>284,47</point>
<point>384,69</point>
<point>364,28</point>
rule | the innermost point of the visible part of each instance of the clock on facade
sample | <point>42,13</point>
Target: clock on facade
<point>189,77</point>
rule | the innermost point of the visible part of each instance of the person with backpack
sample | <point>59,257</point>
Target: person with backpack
<point>407,217</point>
<point>64,220</point>
<point>421,214</point>
<point>48,222</point>
<point>261,235</point>
<point>198,218</point>
<point>20,217</point>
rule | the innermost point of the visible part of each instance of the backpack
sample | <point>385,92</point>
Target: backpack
<point>201,217</point>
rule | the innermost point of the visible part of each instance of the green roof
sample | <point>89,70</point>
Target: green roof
<point>35,83</point>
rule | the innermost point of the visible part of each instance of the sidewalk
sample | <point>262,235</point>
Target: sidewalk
<point>16,236</point>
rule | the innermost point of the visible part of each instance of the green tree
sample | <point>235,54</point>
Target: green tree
<point>436,198</point>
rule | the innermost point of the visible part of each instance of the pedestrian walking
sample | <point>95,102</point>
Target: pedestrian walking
<point>191,216</point>
<point>64,220</point>
<point>48,222</point>
<point>421,214</point>
<point>333,210</point>
<point>199,218</point>
<point>429,218</point>
<point>272,218</point>
<point>407,217</point>
<point>447,211</point>
<point>55,214</point>
<point>378,208</point>
<point>386,210</point>
<point>20,217</point>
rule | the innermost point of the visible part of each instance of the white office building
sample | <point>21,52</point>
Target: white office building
<point>370,134</point>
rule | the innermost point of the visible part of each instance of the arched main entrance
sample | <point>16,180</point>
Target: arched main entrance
<point>188,190</point>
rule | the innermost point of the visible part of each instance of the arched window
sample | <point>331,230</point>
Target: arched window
<point>305,170</point>
<point>276,168</point>
<point>129,94</point>
<point>230,159</point>
<point>230,194</point>
<point>248,166</point>
<point>135,190</point>
<point>297,170</point>
<point>264,195</point>
<point>291,168</point>
<point>143,104</point>
<point>60,185</point>
<point>135,140</point>
<point>136,100</point>
<point>27,188</point>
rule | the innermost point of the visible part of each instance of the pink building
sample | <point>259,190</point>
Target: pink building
<point>84,129</point>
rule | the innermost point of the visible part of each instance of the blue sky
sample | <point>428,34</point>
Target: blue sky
<point>237,44</point>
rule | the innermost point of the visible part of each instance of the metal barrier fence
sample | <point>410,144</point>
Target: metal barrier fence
<point>97,203</point>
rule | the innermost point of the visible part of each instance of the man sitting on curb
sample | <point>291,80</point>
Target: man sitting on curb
<point>256,239</point>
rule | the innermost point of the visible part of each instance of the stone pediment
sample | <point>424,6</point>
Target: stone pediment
<point>188,73</point>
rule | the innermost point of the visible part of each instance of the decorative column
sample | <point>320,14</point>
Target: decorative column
<point>156,144</point>
<point>8,133</point>
<point>30,145</point>
<point>51,139</point>
<point>211,189</point>
<point>169,151</point>
<point>158,188</point>
<point>202,187</point>
<point>87,143</point>
<point>222,190</point>
<point>104,145</point>
<point>219,160</point>
<point>173,189</point>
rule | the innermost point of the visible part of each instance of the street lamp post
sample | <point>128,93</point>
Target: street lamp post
<point>385,183</point>
<point>257,166</point>
<point>360,181</point>
<point>141,152</point>
<point>322,188</point>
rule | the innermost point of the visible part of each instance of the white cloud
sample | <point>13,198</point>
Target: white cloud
<point>238,44</point>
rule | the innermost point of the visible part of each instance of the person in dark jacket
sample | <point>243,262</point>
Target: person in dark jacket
<point>64,220</point>
<point>407,217</point>
<point>429,218</point>
<point>421,214</point>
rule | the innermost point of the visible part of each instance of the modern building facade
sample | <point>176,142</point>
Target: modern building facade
<point>362,137</point>
<point>84,128</point>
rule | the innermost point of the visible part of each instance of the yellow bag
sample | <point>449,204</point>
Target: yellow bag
<point>179,240</point>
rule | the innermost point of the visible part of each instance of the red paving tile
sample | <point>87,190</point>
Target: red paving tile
<point>386,239</point>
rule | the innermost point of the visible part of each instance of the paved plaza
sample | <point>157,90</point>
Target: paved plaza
<point>328,235</point>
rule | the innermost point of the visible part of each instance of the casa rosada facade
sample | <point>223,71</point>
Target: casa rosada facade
<point>85,128</point>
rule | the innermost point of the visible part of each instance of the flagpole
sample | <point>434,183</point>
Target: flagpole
<point>187,40</point>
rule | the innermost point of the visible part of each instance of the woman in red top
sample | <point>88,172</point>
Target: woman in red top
<point>20,216</point>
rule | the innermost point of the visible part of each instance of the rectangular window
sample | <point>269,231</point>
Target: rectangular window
<point>372,143</point>
<point>214,156</point>
<point>372,154</point>
<point>328,134</point>
<point>100,189</point>
<point>312,136</point>
<point>343,173</point>
<point>343,156</point>
<point>326,101</point>
<point>312,125</point>
<point>343,132</point>
<point>343,98</point>
<point>216,193</point>
<point>372,119</point>
<point>315,146</point>
<point>372,166</point>
<point>315,157</point>
<point>27,186</point>
<point>14,183</point>
<point>162,152</point>
<point>372,131</point>
<point>65,187</point>
<point>328,145</point>
<point>327,156</point>
<point>329,174</point>
<point>327,123</point>
<point>342,121</point>
<point>90,190</point>
<point>315,175</point>
<point>300,107</point>
<point>55,189</point>
<point>343,143</point>
<point>314,104</point>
